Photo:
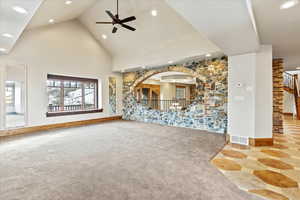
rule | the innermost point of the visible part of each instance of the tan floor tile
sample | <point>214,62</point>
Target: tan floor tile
<point>238,146</point>
<point>293,194</point>
<point>294,174</point>
<point>226,164</point>
<point>245,180</point>
<point>276,179</point>
<point>270,172</point>
<point>292,161</point>
<point>233,154</point>
<point>278,164</point>
<point>275,153</point>
<point>269,194</point>
<point>251,164</point>
<point>279,146</point>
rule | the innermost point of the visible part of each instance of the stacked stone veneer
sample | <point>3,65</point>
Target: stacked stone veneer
<point>277,95</point>
<point>207,112</point>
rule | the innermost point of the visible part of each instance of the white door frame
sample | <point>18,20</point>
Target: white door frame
<point>3,78</point>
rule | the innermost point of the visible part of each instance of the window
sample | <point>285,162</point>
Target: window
<point>71,95</point>
<point>180,92</point>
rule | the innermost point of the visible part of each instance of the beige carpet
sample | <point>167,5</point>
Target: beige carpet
<point>114,161</point>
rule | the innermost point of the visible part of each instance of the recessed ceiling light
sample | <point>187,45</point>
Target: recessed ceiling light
<point>20,9</point>
<point>7,35</point>
<point>104,36</point>
<point>68,2</point>
<point>170,62</point>
<point>208,55</point>
<point>51,21</point>
<point>2,49</point>
<point>154,13</point>
<point>289,4</point>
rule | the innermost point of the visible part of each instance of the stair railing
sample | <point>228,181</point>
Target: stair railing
<point>288,80</point>
<point>296,95</point>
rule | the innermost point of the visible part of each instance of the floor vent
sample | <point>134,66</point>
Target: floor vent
<point>239,140</point>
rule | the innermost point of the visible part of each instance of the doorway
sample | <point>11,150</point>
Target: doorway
<point>14,91</point>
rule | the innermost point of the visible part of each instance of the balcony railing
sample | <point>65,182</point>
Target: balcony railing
<point>288,80</point>
<point>55,108</point>
<point>166,105</point>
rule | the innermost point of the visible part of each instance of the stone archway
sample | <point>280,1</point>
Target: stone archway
<point>152,72</point>
<point>208,112</point>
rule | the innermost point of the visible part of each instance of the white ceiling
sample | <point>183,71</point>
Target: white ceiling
<point>228,23</point>
<point>156,40</point>
<point>171,77</point>
<point>12,22</point>
<point>281,28</point>
<point>59,11</point>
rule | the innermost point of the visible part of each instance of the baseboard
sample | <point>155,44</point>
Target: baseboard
<point>256,142</point>
<point>33,129</point>
<point>259,142</point>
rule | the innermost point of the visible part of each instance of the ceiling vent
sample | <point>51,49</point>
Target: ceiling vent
<point>239,140</point>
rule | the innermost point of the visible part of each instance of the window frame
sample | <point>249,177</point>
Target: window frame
<point>62,87</point>
<point>184,93</point>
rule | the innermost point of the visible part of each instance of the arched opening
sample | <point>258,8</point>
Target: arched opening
<point>167,91</point>
<point>205,111</point>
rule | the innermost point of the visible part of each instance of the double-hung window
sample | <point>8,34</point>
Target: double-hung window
<point>180,92</point>
<point>71,95</point>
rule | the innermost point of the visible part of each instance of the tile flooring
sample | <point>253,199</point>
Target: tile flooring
<point>269,172</point>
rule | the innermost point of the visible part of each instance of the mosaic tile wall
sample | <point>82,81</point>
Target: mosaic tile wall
<point>112,95</point>
<point>207,112</point>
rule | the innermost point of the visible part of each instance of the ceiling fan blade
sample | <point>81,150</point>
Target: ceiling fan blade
<point>114,29</point>
<point>128,27</point>
<point>128,19</point>
<point>103,22</point>
<point>111,15</point>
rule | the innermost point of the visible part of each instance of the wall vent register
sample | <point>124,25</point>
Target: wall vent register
<point>239,140</point>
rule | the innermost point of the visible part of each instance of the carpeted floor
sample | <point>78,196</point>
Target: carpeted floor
<point>115,161</point>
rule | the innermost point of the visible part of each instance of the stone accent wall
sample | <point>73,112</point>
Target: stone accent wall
<point>112,95</point>
<point>207,112</point>
<point>277,95</point>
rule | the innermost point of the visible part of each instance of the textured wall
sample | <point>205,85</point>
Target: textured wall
<point>112,95</point>
<point>277,95</point>
<point>208,112</point>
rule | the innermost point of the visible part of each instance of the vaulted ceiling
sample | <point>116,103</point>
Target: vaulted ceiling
<point>181,29</point>
<point>281,28</point>
<point>14,17</point>
<point>59,11</point>
<point>157,40</point>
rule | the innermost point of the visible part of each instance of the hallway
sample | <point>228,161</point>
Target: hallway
<point>270,172</point>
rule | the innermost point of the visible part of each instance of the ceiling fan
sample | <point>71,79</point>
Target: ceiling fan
<point>117,22</point>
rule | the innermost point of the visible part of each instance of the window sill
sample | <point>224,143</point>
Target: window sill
<point>56,114</point>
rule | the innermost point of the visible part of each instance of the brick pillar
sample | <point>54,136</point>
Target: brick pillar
<point>277,95</point>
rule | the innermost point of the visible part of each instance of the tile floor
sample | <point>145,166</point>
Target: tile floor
<point>269,172</point>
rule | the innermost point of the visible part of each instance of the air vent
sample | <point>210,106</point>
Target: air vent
<point>239,140</point>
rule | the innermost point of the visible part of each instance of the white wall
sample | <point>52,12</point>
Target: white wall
<point>250,94</point>
<point>289,103</point>
<point>64,49</point>
<point>264,93</point>
<point>167,91</point>
<point>241,102</point>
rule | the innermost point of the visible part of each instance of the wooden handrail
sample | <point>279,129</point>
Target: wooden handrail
<point>296,95</point>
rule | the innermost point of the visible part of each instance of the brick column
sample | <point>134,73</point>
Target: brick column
<point>277,95</point>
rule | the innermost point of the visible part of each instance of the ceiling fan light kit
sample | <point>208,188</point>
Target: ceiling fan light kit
<point>117,22</point>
